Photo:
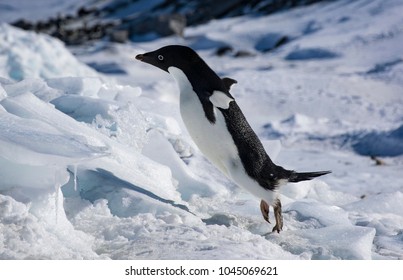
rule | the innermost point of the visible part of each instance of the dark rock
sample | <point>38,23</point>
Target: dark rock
<point>23,24</point>
<point>271,41</point>
<point>242,53</point>
<point>224,50</point>
<point>162,18</point>
<point>83,11</point>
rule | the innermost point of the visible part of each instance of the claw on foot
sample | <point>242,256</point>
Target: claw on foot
<point>264,208</point>
<point>278,216</point>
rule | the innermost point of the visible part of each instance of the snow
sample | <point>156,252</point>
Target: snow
<point>100,166</point>
<point>37,10</point>
<point>26,55</point>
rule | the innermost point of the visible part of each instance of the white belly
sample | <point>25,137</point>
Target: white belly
<point>214,140</point>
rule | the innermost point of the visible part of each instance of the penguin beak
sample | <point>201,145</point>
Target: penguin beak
<point>140,57</point>
<point>149,58</point>
<point>146,58</point>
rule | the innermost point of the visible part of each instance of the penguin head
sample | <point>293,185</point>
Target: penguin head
<point>181,57</point>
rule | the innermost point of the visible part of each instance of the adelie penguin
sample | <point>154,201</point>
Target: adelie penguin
<point>220,130</point>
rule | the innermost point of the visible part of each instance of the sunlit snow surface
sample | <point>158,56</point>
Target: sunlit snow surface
<point>99,166</point>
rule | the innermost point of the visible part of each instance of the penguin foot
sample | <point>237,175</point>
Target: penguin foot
<point>264,208</point>
<point>279,217</point>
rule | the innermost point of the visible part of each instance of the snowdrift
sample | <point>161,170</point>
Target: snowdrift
<point>43,149</point>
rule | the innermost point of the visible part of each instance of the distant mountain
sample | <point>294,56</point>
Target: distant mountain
<point>140,20</point>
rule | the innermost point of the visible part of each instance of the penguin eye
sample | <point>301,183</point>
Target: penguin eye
<point>160,57</point>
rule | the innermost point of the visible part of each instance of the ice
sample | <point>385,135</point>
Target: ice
<point>83,109</point>
<point>3,93</point>
<point>75,176</point>
<point>28,141</point>
<point>100,166</point>
<point>88,86</point>
<point>36,177</point>
<point>58,184</point>
<point>30,55</point>
<point>381,211</point>
<point>332,242</point>
<point>36,86</point>
<point>24,235</point>
<point>40,145</point>
<point>325,215</point>
<point>159,149</point>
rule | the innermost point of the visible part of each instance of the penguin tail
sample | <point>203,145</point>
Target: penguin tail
<point>305,176</point>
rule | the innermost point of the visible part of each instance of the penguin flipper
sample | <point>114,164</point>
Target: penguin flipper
<point>228,82</point>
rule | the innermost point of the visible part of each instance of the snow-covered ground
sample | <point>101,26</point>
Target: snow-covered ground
<point>39,10</point>
<point>99,165</point>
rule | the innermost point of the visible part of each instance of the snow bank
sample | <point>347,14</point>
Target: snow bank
<point>381,211</point>
<point>27,54</point>
<point>380,143</point>
<point>43,149</point>
<point>42,135</point>
<point>368,142</point>
<point>31,231</point>
<point>326,231</point>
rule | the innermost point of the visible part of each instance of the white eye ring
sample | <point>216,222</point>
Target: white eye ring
<point>161,57</point>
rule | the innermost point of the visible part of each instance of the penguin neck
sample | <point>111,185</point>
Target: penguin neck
<point>189,95</point>
<point>181,79</point>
